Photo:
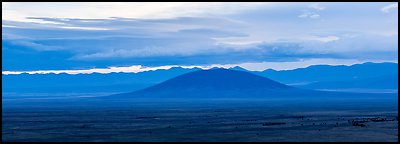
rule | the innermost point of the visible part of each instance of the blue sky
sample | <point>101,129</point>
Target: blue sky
<point>141,36</point>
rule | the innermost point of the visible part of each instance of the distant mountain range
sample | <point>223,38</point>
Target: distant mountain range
<point>225,83</point>
<point>359,76</point>
<point>323,73</point>
<point>95,82</point>
<point>379,82</point>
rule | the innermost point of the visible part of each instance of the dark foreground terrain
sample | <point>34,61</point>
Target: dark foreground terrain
<point>79,119</point>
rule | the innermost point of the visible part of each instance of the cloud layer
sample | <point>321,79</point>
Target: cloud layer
<point>39,36</point>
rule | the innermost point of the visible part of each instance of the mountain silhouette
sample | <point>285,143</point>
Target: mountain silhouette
<point>214,83</point>
<point>94,82</point>
<point>329,73</point>
<point>218,79</point>
<point>238,68</point>
<point>226,83</point>
<point>359,76</point>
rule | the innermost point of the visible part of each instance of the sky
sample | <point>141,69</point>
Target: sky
<point>133,37</point>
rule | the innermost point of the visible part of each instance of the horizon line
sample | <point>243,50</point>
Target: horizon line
<point>140,68</point>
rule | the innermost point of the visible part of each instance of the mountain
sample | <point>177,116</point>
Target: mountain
<point>360,76</point>
<point>95,82</point>
<point>381,82</point>
<point>212,83</point>
<point>327,73</point>
<point>238,68</point>
<point>225,83</point>
<point>218,79</point>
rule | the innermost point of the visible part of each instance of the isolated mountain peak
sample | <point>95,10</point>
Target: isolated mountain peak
<point>218,82</point>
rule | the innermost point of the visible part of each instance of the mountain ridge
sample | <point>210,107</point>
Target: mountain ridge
<point>307,77</point>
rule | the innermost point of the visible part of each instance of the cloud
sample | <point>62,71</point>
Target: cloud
<point>323,39</point>
<point>153,10</point>
<point>180,41</point>
<point>134,53</point>
<point>316,6</point>
<point>83,28</point>
<point>130,69</point>
<point>36,46</point>
<point>309,15</point>
<point>220,33</point>
<point>312,10</point>
<point>388,8</point>
<point>126,38</point>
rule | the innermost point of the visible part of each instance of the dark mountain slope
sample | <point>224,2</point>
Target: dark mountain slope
<point>224,83</point>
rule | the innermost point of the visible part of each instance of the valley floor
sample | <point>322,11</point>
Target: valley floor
<point>207,120</point>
